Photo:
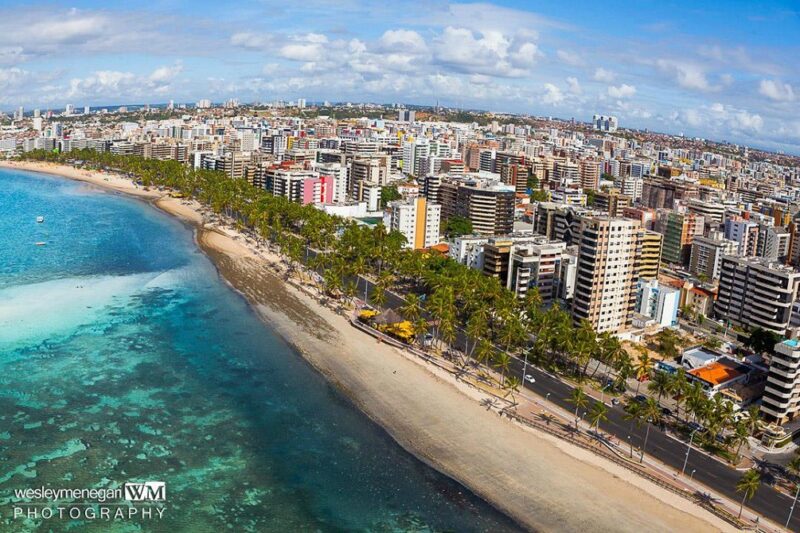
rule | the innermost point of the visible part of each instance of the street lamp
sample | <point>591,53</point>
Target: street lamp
<point>524,367</point>
<point>547,396</point>
<point>688,448</point>
<point>796,494</point>
<point>631,445</point>
<point>691,476</point>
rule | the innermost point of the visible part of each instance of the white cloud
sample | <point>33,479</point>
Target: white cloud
<point>408,41</point>
<point>490,53</point>
<point>570,58</point>
<point>253,41</point>
<point>688,75</point>
<point>123,85</point>
<point>302,52</point>
<point>603,75</point>
<point>574,85</point>
<point>552,95</point>
<point>165,74</point>
<point>621,91</point>
<point>776,90</point>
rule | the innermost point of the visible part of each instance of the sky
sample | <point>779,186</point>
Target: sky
<point>723,70</point>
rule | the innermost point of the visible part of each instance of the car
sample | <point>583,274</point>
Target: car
<point>529,378</point>
<point>640,398</point>
<point>666,412</point>
<point>614,401</point>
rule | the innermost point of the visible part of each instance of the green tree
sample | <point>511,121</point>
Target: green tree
<point>643,367</point>
<point>748,485</point>
<point>457,226</point>
<point>389,193</point>
<point>661,384</point>
<point>539,195</point>
<point>502,362</point>
<point>712,343</point>
<point>580,400</point>
<point>762,340</point>
<point>669,343</point>
<point>649,412</point>
<point>598,413</point>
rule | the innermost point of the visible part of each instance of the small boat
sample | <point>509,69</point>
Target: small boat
<point>39,219</point>
<point>40,243</point>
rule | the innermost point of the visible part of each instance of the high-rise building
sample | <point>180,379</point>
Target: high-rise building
<point>417,220</point>
<point>604,123</point>
<point>707,252</point>
<point>650,256</point>
<point>712,212</point>
<point>781,400</point>
<point>679,230</point>
<point>490,208</point>
<point>605,286</point>
<point>756,293</point>
<point>203,104</point>
<point>611,202</point>
<point>744,232</point>
<point>589,171</point>
<point>405,115</point>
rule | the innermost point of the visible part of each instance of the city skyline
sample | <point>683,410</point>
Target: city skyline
<point>657,68</point>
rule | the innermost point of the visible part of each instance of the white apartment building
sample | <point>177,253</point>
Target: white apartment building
<point>707,253</point>
<point>417,220</point>
<point>605,286</point>
<point>755,292</point>
<point>781,400</point>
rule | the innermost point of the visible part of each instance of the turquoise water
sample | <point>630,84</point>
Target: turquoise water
<point>123,357</point>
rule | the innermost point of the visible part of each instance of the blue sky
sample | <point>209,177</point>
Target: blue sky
<point>723,70</point>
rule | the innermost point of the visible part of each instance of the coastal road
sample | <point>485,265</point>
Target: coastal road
<point>717,476</point>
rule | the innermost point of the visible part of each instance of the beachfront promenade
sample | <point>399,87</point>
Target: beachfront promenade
<point>711,475</point>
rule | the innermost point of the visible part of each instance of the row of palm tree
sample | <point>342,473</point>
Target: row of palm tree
<point>715,414</point>
<point>442,296</point>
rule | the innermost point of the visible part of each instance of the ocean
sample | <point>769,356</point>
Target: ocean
<point>124,358</point>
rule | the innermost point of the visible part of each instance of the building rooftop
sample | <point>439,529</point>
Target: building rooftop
<point>718,372</point>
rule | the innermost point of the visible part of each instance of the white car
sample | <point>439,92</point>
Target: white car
<point>529,378</point>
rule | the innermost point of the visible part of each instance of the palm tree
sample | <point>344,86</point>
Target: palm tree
<point>650,413</point>
<point>512,385</point>
<point>502,361</point>
<point>598,413</point>
<point>484,352</point>
<point>669,342</point>
<point>579,399</point>
<point>753,419</point>
<point>740,436</point>
<point>680,386</point>
<point>794,469</point>
<point>748,484</point>
<point>642,367</point>
<point>412,309</point>
<point>420,329</point>
<point>476,329</point>
<point>661,384</point>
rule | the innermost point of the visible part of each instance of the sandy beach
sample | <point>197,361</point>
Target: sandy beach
<point>542,482</point>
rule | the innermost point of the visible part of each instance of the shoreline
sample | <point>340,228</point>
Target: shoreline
<point>538,480</point>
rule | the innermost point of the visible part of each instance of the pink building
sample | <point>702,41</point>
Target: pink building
<point>318,190</point>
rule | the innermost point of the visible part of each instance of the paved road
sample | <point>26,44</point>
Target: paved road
<point>719,477</point>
